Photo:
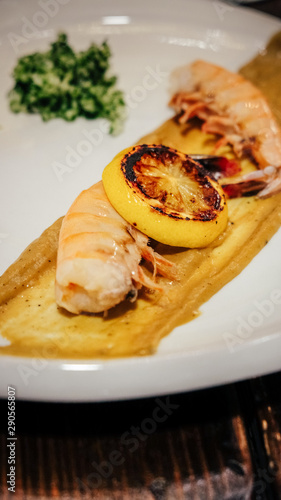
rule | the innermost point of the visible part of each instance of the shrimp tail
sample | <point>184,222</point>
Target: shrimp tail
<point>161,265</point>
<point>144,280</point>
<point>264,183</point>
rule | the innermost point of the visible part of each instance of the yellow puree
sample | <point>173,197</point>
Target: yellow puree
<point>31,321</point>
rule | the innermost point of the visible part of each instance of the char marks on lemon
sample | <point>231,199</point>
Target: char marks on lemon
<point>170,197</point>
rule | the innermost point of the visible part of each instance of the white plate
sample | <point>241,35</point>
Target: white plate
<point>148,40</point>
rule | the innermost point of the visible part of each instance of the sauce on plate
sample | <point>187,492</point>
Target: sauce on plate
<point>34,326</point>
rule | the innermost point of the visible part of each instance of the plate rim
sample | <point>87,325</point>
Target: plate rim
<point>55,366</point>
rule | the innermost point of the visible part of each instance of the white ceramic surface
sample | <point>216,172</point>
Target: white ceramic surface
<point>238,333</point>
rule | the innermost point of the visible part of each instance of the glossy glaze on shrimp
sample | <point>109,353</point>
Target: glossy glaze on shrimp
<point>236,110</point>
<point>99,255</point>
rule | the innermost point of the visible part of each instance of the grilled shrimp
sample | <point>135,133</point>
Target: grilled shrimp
<point>235,109</point>
<point>99,255</point>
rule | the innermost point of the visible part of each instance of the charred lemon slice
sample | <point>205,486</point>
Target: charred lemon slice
<point>166,195</point>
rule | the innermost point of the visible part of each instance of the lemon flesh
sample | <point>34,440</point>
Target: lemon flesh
<point>166,195</point>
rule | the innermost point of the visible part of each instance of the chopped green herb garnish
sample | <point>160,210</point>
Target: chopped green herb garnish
<point>60,83</point>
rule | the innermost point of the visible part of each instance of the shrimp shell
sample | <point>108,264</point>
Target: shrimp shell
<point>99,255</point>
<point>234,108</point>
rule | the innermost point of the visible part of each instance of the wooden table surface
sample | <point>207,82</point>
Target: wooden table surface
<point>217,444</point>
<point>221,443</point>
